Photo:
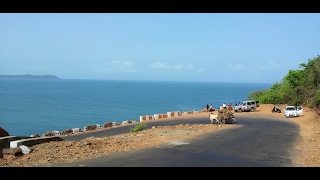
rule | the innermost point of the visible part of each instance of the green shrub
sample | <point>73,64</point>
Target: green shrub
<point>255,95</point>
<point>138,127</point>
<point>317,99</point>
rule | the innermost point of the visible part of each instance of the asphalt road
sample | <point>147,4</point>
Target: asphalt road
<point>259,142</point>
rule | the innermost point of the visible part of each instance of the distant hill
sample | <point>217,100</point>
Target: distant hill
<point>28,76</point>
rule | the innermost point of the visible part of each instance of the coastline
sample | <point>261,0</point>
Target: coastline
<point>46,155</point>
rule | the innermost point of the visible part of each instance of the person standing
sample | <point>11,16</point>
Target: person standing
<point>230,106</point>
<point>224,105</point>
<point>210,106</point>
<point>207,108</point>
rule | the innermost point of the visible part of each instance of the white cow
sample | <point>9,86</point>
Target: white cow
<point>213,118</point>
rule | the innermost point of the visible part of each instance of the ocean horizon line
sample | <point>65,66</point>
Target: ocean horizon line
<point>25,77</point>
<point>140,80</point>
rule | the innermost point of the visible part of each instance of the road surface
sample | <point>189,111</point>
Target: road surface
<point>259,142</point>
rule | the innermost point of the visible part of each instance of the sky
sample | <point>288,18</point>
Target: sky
<point>197,47</point>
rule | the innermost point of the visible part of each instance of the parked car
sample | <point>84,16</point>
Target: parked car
<point>249,105</point>
<point>257,103</point>
<point>293,111</point>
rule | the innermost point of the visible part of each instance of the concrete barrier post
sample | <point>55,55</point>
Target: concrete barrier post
<point>146,117</point>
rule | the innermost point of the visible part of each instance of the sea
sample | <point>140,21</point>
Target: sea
<point>29,106</point>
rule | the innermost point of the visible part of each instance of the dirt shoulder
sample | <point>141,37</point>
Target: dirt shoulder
<point>61,152</point>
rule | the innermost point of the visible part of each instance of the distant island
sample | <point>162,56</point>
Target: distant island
<point>28,76</point>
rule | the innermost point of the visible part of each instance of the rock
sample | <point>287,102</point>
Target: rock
<point>92,127</point>
<point>3,132</point>
<point>17,151</point>
<point>71,131</point>
<point>212,109</point>
<point>34,135</point>
<point>203,110</point>
<point>68,131</point>
<point>106,125</point>
<point>25,149</point>
<point>6,156</point>
<point>115,124</point>
<point>51,133</point>
<point>127,122</point>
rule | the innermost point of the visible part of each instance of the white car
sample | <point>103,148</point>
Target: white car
<point>292,111</point>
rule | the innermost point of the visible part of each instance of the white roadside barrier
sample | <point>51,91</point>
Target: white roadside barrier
<point>174,114</point>
<point>146,117</point>
<point>159,116</point>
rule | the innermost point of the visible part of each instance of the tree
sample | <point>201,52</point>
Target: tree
<point>311,73</point>
<point>294,78</point>
<point>298,87</point>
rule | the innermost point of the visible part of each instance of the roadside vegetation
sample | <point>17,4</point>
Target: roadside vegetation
<point>138,127</point>
<point>298,87</point>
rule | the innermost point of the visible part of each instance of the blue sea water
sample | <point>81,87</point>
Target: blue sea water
<point>38,106</point>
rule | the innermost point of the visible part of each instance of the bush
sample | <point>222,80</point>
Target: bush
<point>138,127</point>
<point>317,99</point>
<point>255,95</point>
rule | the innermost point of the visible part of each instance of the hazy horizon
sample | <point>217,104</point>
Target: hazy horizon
<point>60,78</point>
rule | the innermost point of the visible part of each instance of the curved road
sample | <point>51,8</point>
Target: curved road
<point>258,142</point>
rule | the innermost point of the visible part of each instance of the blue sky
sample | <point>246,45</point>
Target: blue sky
<point>211,47</point>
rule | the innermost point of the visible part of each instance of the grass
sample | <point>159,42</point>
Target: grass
<point>138,127</point>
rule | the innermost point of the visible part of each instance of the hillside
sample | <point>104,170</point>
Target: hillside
<point>28,76</point>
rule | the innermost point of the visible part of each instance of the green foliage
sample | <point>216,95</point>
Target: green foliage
<point>138,127</point>
<point>298,87</point>
<point>295,101</point>
<point>264,99</point>
<point>317,99</point>
<point>294,78</point>
<point>255,95</point>
<point>276,86</point>
<point>311,73</point>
